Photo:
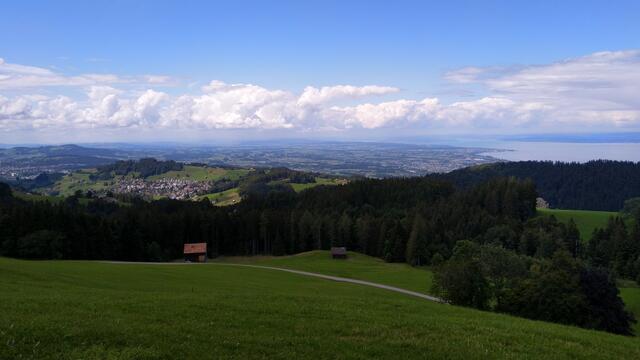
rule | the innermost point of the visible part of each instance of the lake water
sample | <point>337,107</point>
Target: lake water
<point>558,151</point>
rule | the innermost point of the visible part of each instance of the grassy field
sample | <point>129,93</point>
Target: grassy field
<point>356,266</point>
<point>631,297</point>
<point>586,220</point>
<point>224,198</point>
<point>90,310</point>
<point>78,180</point>
<point>201,173</point>
<point>363,267</point>
<point>37,197</point>
<point>319,181</point>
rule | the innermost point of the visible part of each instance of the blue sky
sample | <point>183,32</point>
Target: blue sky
<point>411,52</point>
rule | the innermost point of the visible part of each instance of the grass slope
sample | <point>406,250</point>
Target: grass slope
<point>363,267</point>
<point>37,197</point>
<point>201,173</point>
<point>586,220</point>
<point>78,180</point>
<point>224,198</point>
<point>356,266</point>
<point>319,181</point>
<point>89,310</point>
<point>631,297</point>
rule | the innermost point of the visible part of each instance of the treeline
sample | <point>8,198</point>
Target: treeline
<point>617,247</point>
<point>559,288</point>
<point>595,185</point>
<point>545,272</point>
<point>377,217</point>
<point>144,167</point>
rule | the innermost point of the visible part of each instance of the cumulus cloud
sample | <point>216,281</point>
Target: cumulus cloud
<point>598,90</point>
<point>317,96</point>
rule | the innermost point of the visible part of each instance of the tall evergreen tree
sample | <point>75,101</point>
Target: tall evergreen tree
<point>417,243</point>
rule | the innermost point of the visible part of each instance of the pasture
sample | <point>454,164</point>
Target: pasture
<point>585,220</point>
<point>95,310</point>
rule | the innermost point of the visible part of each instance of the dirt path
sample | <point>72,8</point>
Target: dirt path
<point>305,273</point>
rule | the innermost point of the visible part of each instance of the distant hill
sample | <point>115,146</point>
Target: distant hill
<point>70,155</point>
<point>596,185</point>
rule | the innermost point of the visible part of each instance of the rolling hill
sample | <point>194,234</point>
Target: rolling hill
<point>93,310</point>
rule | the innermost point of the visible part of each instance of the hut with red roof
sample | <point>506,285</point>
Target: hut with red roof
<point>195,252</point>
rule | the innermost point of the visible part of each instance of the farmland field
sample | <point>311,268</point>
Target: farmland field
<point>224,198</point>
<point>93,310</point>
<point>319,181</point>
<point>202,173</point>
<point>585,220</point>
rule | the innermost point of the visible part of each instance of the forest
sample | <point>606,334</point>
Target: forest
<point>595,185</point>
<point>144,168</point>
<point>484,242</point>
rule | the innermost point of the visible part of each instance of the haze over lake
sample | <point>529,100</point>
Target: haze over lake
<point>562,151</point>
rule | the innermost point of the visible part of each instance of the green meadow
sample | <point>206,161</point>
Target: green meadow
<point>585,220</point>
<point>319,181</point>
<point>357,266</point>
<point>94,310</point>
<point>224,198</point>
<point>202,173</point>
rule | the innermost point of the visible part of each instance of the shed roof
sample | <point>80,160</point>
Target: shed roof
<point>339,250</point>
<point>195,248</point>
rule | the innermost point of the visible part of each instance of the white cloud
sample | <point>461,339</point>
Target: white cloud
<point>598,88</point>
<point>317,96</point>
<point>15,76</point>
<point>597,91</point>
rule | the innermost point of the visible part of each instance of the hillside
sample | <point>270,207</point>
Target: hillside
<point>153,179</point>
<point>585,220</point>
<point>31,161</point>
<point>91,310</point>
<point>363,267</point>
<point>357,266</point>
<point>595,185</point>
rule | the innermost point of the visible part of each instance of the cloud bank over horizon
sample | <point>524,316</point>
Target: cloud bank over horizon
<point>597,91</point>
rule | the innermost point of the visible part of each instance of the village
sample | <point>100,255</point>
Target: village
<point>179,189</point>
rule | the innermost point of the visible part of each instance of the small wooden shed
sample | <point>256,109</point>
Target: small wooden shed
<point>339,252</point>
<point>195,252</point>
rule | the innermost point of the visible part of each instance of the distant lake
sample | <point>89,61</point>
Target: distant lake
<point>560,151</point>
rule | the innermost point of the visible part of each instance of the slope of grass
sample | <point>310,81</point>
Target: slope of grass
<point>631,298</point>
<point>319,181</point>
<point>37,197</point>
<point>202,173</point>
<point>224,198</point>
<point>356,266</point>
<point>78,180</point>
<point>85,310</point>
<point>586,220</point>
<point>363,267</point>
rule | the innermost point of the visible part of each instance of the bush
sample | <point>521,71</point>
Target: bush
<point>460,280</point>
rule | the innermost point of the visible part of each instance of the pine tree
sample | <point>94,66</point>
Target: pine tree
<point>572,238</point>
<point>417,242</point>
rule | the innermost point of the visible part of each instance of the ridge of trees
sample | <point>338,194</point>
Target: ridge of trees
<point>145,167</point>
<point>594,185</point>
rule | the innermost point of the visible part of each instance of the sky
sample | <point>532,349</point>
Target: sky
<point>103,71</point>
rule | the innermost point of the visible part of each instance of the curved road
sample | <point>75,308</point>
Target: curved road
<point>305,273</point>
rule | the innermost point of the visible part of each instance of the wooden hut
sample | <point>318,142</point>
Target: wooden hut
<point>195,252</point>
<point>339,252</point>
